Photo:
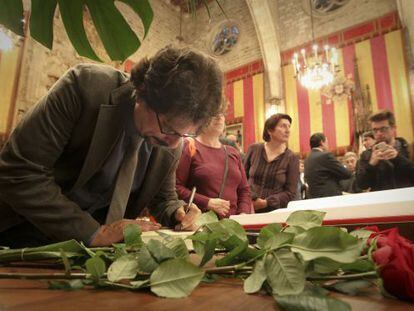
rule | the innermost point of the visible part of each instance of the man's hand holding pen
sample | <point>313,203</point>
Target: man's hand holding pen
<point>187,215</point>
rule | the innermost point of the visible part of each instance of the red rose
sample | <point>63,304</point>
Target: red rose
<point>395,258</point>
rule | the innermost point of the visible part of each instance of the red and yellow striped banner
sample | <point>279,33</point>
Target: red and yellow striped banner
<point>381,67</point>
<point>246,105</point>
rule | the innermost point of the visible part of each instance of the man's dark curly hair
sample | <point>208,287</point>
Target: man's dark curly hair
<point>180,82</point>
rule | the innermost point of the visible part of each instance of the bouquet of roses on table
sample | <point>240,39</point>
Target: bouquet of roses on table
<point>299,263</point>
<point>394,257</point>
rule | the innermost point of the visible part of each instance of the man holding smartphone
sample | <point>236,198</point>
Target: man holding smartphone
<point>384,166</point>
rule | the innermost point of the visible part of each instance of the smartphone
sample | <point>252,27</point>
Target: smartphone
<point>381,146</point>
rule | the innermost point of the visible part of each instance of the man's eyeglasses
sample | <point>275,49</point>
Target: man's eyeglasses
<point>382,129</point>
<point>172,132</point>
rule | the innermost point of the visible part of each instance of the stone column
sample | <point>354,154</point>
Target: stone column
<point>264,16</point>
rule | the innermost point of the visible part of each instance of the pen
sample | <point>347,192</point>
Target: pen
<point>191,200</point>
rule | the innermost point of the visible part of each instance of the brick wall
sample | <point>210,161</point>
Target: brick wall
<point>295,25</point>
<point>199,33</point>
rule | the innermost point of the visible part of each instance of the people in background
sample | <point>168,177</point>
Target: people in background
<point>368,140</point>
<point>101,146</point>
<point>322,171</point>
<point>232,140</point>
<point>217,172</point>
<point>350,160</point>
<point>272,169</point>
<point>302,190</point>
<point>386,165</point>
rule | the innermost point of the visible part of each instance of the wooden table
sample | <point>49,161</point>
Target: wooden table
<point>225,294</point>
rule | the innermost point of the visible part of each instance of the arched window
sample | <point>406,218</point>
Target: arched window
<point>225,38</point>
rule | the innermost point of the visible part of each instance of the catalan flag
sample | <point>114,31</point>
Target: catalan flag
<point>381,66</point>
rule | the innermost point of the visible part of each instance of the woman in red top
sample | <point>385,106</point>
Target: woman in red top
<point>202,165</point>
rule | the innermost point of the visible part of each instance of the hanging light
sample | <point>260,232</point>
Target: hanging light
<point>318,69</point>
<point>6,43</point>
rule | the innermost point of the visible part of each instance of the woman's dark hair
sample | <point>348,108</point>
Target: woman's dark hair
<point>179,82</point>
<point>316,139</point>
<point>272,122</point>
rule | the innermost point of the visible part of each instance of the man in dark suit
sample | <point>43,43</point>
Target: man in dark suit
<point>101,146</point>
<point>322,171</point>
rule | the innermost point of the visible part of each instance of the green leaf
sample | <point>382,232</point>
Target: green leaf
<point>72,18</point>
<point>267,233</point>
<point>314,289</point>
<point>325,265</point>
<point>306,219</point>
<point>175,278</point>
<point>209,250</point>
<point>87,250</point>
<point>132,236</point>
<point>159,251</point>
<point>139,284</point>
<point>66,262</point>
<point>285,273</point>
<point>11,15</point>
<point>309,302</point>
<point>95,266</point>
<point>227,228</point>
<point>255,281</point>
<point>41,21</point>
<point>144,11</point>
<point>362,233</point>
<point>146,263</point>
<point>199,240</point>
<point>207,218</point>
<point>232,242</point>
<point>293,229</point>
<point>328,242</point>
<point>232,256</point>
<point>278,240</point>
<point>119,251</point>
<point>117,37</point>
<point>178,246</point>
<point>251,253</point>
<point>134,285</point>
<point>66,284</point>
<point>352,287</point>
<point>361,265</point>
<point>125,267</point>
<point>234,228</point>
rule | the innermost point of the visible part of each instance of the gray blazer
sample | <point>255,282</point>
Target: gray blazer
<point>62,142</point>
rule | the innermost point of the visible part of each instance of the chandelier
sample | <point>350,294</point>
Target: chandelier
<point>318,69</point>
